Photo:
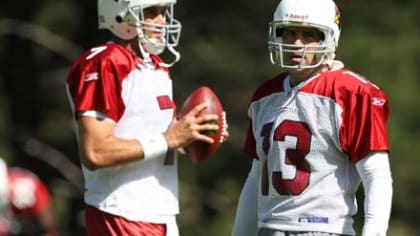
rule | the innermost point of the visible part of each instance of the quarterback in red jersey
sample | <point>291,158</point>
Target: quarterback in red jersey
<point>121,95</point>
<point>316,132</point>
<point>25,207</point>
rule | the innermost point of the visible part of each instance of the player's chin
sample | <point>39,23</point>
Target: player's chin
<point>292,64</point>
<point>294,60</point>
<point>158,37</point>
<point>155,36</point>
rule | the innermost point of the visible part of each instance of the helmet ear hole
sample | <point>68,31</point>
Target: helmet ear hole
<point>125,19</point>
<point>118,19</point>
<point>321,15</point>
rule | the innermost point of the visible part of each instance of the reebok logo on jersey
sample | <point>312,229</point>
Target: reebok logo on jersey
<point>378,101</point>
<point>92,76</point>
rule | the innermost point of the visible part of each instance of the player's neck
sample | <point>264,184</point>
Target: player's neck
<point>297,76</point>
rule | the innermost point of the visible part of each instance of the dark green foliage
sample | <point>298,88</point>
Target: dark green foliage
<point>223,46</point>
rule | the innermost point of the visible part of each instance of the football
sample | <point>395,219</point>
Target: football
<point>199,151</point>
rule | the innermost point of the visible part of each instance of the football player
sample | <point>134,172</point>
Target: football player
<point>25,206</point>
<point>121,95</point>
<point>316,132</point>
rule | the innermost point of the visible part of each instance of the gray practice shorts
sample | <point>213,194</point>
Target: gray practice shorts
<point>271,232</point>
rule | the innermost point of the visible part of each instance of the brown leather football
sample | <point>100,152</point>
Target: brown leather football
<point>199,151</point>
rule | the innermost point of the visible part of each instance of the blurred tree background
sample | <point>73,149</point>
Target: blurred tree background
<point>223,45</point>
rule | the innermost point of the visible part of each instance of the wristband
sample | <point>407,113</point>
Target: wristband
<point>153,145</point>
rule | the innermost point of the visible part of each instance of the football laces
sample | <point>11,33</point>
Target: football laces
<point>224,127</point>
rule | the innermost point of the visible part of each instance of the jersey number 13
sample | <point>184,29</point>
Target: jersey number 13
<point>294,157</point>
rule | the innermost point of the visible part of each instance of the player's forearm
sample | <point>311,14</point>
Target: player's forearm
<point>101,148</point>
<point>377,182</point>
<point>110,152</point>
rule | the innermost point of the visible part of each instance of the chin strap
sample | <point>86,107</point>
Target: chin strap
<point>176,59</point>
<point>147,60</point>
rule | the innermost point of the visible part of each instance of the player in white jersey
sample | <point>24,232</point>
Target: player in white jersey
<point>121,95</point>
<point>316,132</point>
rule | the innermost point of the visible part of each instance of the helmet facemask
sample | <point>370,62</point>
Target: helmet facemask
<point>170,31</point>
<point>323,52</point>
<point>322,15</point>
<point>126,20</point>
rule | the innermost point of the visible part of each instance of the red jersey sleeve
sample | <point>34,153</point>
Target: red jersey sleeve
<point>365,114</point>
<point>95,80</point>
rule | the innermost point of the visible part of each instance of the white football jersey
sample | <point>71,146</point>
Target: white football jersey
<point>308,139</point>
<point>137,96</point>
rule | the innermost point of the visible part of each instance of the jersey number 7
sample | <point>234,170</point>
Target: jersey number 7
<point>292,156</point>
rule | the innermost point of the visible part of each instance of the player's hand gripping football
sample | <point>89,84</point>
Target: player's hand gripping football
<point>214,128</point>
<point>192,127</point>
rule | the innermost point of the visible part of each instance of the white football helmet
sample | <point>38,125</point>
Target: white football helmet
<point>124,18</point>
<point>323,15</point>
